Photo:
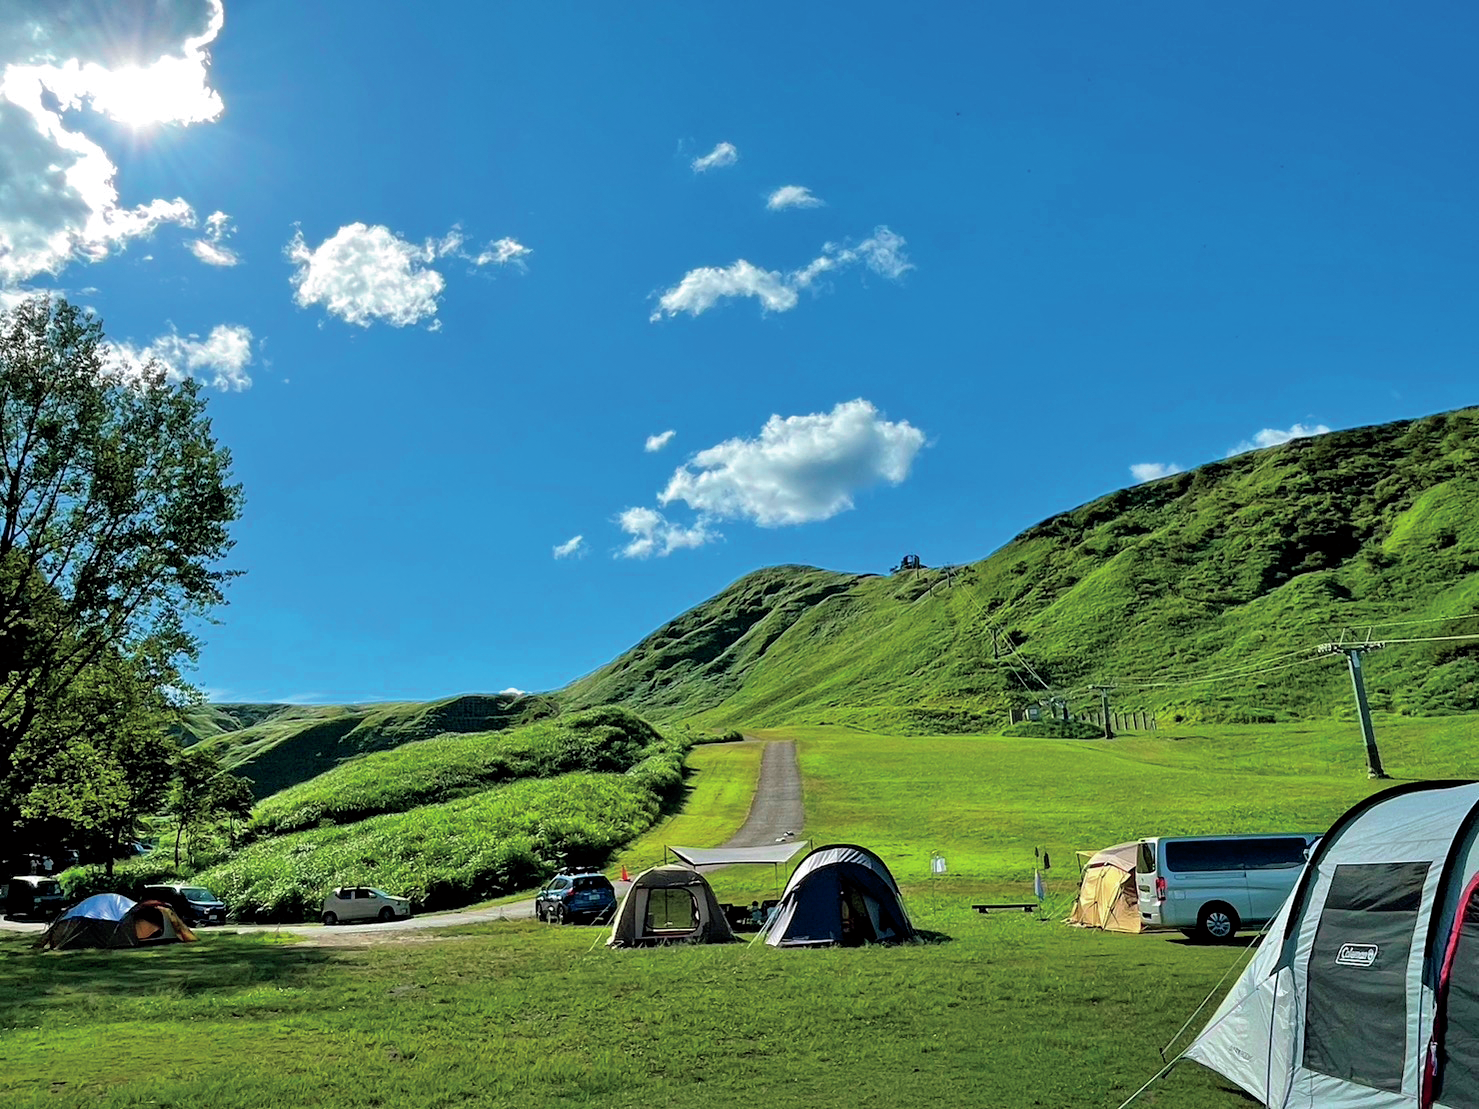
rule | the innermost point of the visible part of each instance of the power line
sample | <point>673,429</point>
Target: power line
<point>1173,678</point>
<point>1432,639</point>
<point>1409,623</point>
<point>1223,675</point>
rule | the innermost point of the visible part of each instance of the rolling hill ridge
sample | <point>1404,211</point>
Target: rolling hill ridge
<point>1198,595</point>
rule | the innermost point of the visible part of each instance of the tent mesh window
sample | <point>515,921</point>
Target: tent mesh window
<point>1356,1016</point>
<point>671,911</point>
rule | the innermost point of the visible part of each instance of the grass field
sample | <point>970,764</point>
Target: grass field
<point>1009,1012</point>
<point>1003,1011</point>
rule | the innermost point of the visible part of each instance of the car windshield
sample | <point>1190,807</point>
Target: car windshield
<point>48,888</point>
<point>381,893</point>
<point>198,893</point>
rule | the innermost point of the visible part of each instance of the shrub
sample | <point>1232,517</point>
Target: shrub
<point>449,854</point>
<point>610,740</point>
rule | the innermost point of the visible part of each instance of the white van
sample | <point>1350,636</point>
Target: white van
<point>1210,886</point>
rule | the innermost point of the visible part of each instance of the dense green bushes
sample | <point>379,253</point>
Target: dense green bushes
<point>609,740</point>
<point>446,855</point>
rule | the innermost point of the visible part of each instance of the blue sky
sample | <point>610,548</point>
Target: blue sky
<point>894,280</point>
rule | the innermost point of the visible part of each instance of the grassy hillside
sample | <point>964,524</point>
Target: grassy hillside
<point>287,744</point>
<point>1199,594</point>
<point>451,766</point>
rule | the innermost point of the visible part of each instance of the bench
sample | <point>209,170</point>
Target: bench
<point>1011,906</point>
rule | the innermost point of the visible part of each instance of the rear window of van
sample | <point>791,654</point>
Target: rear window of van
<point>1145,857</point>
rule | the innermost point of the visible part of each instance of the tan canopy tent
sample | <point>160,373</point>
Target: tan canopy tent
<point>1106,893</point>
<point>669,904</point>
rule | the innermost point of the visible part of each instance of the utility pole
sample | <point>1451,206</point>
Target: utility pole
<point>1353,655</point>
<point>1103,691</point>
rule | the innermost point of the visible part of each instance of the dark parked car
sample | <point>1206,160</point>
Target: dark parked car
<point>32,895</point>
<point>576,895</point>
<point>194,904</point>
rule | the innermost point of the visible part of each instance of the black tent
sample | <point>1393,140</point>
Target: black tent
<point>840,894</point>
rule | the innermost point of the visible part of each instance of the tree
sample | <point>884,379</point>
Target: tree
<point>103,760</point>
<point>204,794</point>
<point>115,504</point>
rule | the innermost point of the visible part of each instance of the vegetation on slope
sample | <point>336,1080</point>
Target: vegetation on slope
<point>1235,569</point>
<point>297,742</point>
<point>442,856</point>
<point>451,766</point>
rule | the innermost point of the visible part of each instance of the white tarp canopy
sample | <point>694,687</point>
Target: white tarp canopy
<point>775,853</point>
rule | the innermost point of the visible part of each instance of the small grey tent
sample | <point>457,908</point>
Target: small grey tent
<point>669,904</point>
<point>839,894</point>
<point>111,920</point>
<point>1365,991</point>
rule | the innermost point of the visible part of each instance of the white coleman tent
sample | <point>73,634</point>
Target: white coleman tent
<point>1106,892</point>
<point>1365,991</point>
<point>839,894</point>
<point>669,904</point>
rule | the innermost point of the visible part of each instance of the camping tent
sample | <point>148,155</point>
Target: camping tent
<point>111,920</point>
<point>1106,892</point>
<point>669,904</point>
<point>1365,991</point>
<point>839,894</point>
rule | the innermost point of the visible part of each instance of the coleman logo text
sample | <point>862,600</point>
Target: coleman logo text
<point>1357,954</point>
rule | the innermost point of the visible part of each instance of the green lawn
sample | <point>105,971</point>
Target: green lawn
<point>1004,1010</point>
<point>1008,1012</point>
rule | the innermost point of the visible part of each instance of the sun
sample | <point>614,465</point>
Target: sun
<point>170,90</point>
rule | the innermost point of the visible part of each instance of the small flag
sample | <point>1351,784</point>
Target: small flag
<point>1037,886</point>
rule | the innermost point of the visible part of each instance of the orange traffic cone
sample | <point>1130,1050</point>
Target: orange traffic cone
<point>624,877</point>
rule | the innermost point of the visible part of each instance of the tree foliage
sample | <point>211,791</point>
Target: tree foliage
<point>115,504</point>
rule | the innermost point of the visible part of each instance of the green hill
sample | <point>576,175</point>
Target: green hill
<point>1199,594</point>
<point>286,744</point>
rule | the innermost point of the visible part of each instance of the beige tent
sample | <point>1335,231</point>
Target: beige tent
<point>669,904</point>
<point>1106,893</point>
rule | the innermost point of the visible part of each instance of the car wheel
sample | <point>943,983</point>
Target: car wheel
<point>561,916</point>
<point>1217,922</point>
<point>387,913</point>
<point>539,912</point>
<point>330,919</point>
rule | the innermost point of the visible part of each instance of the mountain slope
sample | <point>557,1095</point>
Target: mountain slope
<point>1238,566</point>
<point>298,742</point>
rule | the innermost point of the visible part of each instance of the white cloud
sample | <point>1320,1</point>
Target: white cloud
<point>210,249</point>
<point>512,691</point>
<point>722,155</point>
<point>793,196</point>
<point>503,252</point>
<point>220,359</point>
<point>362,274</point>
<point>1150,471</point>
<point>1273,436</point>
<point>56,63</point>
<point>658,442</point>
<point>574,545</point>
<point>654,534</point>
<point>799,469</point>
<point>701,289</point>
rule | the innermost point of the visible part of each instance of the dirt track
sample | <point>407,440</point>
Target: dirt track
<point>777,807</point>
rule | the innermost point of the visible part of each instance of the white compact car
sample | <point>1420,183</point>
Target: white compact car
<point>363,903</point>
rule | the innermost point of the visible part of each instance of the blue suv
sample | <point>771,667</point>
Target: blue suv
<point>573,895</point>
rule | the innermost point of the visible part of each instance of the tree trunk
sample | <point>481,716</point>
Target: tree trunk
<point>179,831</point>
